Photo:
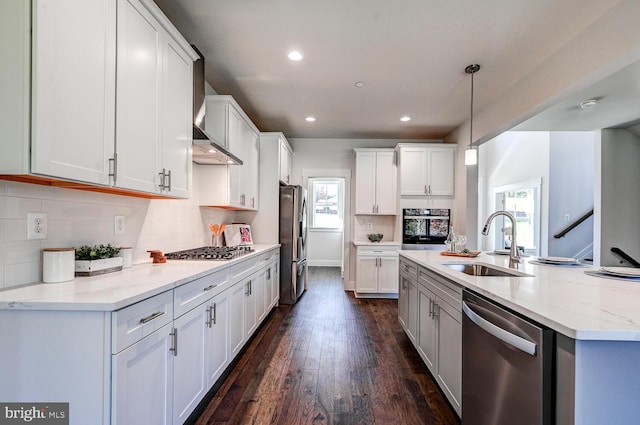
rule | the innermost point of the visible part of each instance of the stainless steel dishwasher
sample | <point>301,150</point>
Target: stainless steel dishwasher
<point>506,366</point>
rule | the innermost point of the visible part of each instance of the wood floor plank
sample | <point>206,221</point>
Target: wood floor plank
<point>330,359</point>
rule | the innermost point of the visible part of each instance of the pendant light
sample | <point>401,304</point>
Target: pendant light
<point>471,155</point>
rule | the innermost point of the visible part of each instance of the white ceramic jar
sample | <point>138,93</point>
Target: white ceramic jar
<point>58,264</point>
<point>126,252</point>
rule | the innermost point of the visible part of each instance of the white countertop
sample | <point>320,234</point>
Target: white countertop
<point>113,291</point>
<point>563,298</point>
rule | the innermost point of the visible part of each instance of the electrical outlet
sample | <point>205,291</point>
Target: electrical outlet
<point>567,217</point>
<point>36,225</point>
<point>118,225</point>
<point>369,226</point>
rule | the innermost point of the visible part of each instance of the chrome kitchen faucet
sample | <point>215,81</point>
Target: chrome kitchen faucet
<point>514,256</point>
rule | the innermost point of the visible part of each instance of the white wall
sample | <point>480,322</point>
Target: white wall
<point>571,190</point>
<point>324,248</point>
<point>511,158</point>
<point>77,218</point>
<point>618,198</point>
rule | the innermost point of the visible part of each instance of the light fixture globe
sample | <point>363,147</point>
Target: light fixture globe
<point>471,155</point>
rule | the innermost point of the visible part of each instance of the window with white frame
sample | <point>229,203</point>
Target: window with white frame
<point>327,203</point>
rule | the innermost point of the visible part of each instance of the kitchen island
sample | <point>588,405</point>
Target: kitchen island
<point>597,325</point>
<point>142,345</point>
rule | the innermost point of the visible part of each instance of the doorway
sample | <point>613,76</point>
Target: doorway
<point>328,207</point>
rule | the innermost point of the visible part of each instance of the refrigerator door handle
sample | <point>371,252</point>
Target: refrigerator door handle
<point>503,335</point>
<point>299,262</point>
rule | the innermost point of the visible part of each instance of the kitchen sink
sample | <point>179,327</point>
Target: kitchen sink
<point>478,269</point>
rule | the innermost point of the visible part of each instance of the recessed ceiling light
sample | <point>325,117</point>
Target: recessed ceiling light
<point>405,118</point>
<point>587,104</point>
<point>295,55</point>
<point>359,84</point>
<point>310,119</point>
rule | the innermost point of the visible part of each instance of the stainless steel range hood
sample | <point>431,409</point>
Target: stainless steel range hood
<point>205,149</point>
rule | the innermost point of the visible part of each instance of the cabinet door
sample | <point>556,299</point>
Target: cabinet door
<point>413,171</point>
<point>142,378</point>
<point>259,289</point>
<point>412,315</point>
<point>285,163</point>
<point>251,170</point>
<point>189,382</point>
<point>365,182</point>
<point>367,274</point>
<point>139,83</point>
<point>73,103</point>
<point>275,282</point>
<point>217,347</point>
<point>250,309</point>
<point>388,274</point>
<point>236,172</point>
<point>440,169</point>
<point>449,373</point>
<point>403,303</point>
<point>426,327</point>
<point>177,118</point>
<point>386,178</point>
<point>236,318</point>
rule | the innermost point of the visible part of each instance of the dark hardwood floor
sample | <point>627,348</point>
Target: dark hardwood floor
<point>330,359</point>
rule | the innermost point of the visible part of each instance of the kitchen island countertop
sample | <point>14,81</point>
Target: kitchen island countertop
<point>113,291</point>
<point>565,299</point>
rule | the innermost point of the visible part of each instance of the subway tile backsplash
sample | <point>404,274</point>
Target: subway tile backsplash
<point>77,218</point>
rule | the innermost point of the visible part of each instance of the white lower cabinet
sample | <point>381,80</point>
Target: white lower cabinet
<point>377,269</point>
<point>142,378</point>
<point>151,362</point>
<point>430,312</point>
<point>236,318</point>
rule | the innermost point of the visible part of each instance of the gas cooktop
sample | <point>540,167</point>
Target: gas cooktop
<point>210,253</point>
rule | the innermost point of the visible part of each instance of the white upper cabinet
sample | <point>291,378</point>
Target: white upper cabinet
<point>119,116</point>
<point>73,99</point>
<point>426,170</point>
<point>231,186</point>
<point>153,120</point>
<point>376,181</point>
<point>286,155</point>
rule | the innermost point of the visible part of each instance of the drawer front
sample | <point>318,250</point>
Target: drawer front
<point>133,323</point>
<point>408,269</point>
<point>378,251</point>
<point>447,291</point>
<point>266,258</point>
<point>192,294</point>
<point>239,271</point>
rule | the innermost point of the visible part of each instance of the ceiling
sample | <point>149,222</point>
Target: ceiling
<point>410,55</point>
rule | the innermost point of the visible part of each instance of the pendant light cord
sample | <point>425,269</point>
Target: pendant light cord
<point>471,69</point>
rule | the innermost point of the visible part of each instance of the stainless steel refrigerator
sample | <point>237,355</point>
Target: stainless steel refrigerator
<point>293,240</point>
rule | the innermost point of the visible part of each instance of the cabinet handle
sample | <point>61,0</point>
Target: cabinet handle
<point>269,274</point>
<point>174,341</point>
<point>162,176</point>
<point>168,187</point>
<point>210,287</point>
<point>253,202</point>
<point>151,317</point>
<point>287,178</point>
<point>215,311</point>
<point>429,189</point>
<point>430,307</point>
<point>248,291</point>
<point>436,310</point>
<point>114,173</point>
<point>209,320</point>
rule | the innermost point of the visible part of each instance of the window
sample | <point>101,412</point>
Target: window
<point>523,201</point>
<point>327,205</point>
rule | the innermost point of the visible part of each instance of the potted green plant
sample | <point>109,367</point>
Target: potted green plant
<point>97,259</point>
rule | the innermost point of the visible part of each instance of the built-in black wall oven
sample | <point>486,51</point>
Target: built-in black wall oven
<point>425,228</point>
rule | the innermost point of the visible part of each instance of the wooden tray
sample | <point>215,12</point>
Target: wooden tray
<point>461,254</point>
